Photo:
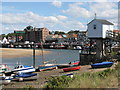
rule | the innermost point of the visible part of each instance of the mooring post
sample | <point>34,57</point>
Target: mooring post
<point>34,55</point>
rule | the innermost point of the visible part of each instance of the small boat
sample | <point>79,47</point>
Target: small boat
<point>63,66</point>
<point>44,68</point>
<point>102,65</point>
<point>61,46</point>
<point>72,68</point>
<point>23,69</point>
<point>25,75</point>
<point>75,62</point>
<point>3,67</point>
<point>5,79</point>
<point>78,48</point>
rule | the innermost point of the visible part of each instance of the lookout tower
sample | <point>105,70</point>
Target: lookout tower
<point>97,31</point>
<point>99,41</point>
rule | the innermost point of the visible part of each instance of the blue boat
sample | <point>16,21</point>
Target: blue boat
<point>102,65</point>
<point>23,69</point>
<point>25,75</point>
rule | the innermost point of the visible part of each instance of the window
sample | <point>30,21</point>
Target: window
<point>94,27</point>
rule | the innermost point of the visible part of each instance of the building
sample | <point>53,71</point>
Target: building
<point>35,34</point>
<point>98,28</point>
<point>54,38</point>
<point>82,37</point>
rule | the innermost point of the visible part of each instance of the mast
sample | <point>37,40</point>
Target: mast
<point>95,16</point>
<point>34,55</point>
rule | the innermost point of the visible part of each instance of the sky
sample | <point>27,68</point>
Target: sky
<point>55,15</point>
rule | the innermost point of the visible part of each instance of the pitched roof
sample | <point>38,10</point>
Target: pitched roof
<point>103,21</point>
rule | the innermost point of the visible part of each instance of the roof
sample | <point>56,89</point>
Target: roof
<point>103,21</point>
<point>116,31</point>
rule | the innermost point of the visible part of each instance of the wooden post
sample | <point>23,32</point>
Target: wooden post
<point>34,55</point>
<point>42,52</point>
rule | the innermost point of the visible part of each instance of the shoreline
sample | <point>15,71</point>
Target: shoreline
<point>14,52</point>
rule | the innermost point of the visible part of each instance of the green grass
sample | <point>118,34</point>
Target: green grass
<point>103,79</point>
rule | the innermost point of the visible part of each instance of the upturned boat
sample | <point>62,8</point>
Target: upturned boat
<point>75,62</point>
<point>71,68</point>
<point>102,65</point>
<point>44,68</point>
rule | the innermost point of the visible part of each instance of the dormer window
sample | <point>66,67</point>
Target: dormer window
<point>94,26</point>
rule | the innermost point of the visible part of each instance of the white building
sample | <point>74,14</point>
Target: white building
<point>4,41</point>
<point>98,28</point>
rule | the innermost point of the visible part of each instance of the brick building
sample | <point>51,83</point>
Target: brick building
<point>35,34</point>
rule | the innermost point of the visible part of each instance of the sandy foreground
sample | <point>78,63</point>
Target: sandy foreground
<point>13,53</point>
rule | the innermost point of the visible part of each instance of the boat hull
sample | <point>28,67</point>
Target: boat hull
<point>75,63</point>
<point>102,65</point>
<point>44,68</point>
<point>74,68</point>
<point>23,69</point>
<point>25,75</point>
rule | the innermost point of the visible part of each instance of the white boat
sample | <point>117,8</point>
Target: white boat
<point>5,79</point>
<point>78,48</point>
<point>23,69</point>
<point>3,67</point>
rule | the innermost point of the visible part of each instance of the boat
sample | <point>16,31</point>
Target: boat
<point>3,67</point>
<point>24,75</point>
<point>102,65</point>
<point>78,48</point>
<point>44,68</point>
<point>72,68</point>
<point>5,79</point>
<point>75,62</point>
<point>63,66</point>
<point>23,69</point>
<point>59,46</point>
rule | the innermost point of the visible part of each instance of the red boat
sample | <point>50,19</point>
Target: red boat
<point>72,68</point>
<point>75,63</point>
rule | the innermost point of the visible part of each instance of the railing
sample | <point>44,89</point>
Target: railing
<point>113,35</point>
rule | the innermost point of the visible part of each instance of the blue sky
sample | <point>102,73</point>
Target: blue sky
<point>57,15</point>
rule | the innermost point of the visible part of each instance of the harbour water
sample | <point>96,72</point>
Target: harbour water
<point>60,56</point>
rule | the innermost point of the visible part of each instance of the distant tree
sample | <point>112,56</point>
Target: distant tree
<point>75,32</point>
<point>11,34</point>
<point>59,32</point>
<point>2,36</point>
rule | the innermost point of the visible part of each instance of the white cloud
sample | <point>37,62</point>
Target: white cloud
<point>77,11</point>
<point>84,10</point>
<point>60,17</point>
<point>19,21</point>
<point>104,9</point>
<point>57,3</point>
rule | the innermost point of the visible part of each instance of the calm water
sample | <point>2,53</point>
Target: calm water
<point>61,56</point>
